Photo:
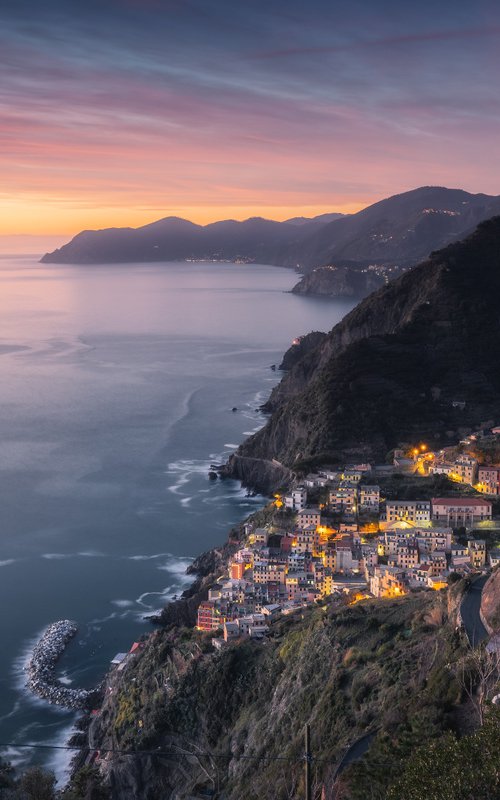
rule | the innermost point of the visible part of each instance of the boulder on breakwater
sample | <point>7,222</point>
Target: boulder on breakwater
<point>41,668</point>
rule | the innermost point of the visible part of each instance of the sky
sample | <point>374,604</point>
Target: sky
<point>120,112</point>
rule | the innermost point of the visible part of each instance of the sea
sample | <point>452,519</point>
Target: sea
<point>117,389</point>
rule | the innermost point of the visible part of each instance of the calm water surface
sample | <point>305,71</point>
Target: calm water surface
<point>116,389</point>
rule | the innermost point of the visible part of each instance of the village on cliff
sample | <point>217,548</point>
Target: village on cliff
<point>336,533</point>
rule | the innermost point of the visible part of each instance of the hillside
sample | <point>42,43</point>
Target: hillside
<point>400,230</point>
<point>390,371</point>
<point>173,239</point>
<point>378,666</point>
<point>490,602</point>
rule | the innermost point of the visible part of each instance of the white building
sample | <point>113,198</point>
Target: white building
<point>297,499</point>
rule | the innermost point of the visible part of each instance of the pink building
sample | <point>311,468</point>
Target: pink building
<point>460,511</point>
<point>489,480</point>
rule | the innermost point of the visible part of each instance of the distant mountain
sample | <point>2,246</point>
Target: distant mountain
<point>322,219</point>
<point>173,239</point>
<point>392,370</point>
<point>401,230</point>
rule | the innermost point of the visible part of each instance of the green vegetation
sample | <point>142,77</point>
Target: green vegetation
<point>87,784</point>
<point>402,486</point>
<point>454,769</point>
<point>487,451</point>
<point>39,784</point>
<point>384,666</point>
<point>33,784</point>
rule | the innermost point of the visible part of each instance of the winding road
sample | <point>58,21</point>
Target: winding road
<point>469,611</point>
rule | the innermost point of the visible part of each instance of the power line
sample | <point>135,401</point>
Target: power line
<point>180,753</point>
<point>164,753</point>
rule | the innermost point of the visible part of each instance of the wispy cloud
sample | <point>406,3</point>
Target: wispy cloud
<point>385,42</point>
<point>184,104</point>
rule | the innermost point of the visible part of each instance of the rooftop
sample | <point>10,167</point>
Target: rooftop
<point>460,501</point>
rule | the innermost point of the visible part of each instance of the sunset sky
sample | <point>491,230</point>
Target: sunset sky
<point>119,112</point>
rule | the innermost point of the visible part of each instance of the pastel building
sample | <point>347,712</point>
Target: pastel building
<point>414,512</point>
<point>369,498</point>
<point>460,511</point>
<point>477,552</point>
<point>297,499</point>
<point>209,616</point>
<point>488,480</point>
<point>308,516</point>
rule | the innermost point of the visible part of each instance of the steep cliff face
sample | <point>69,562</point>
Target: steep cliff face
<point>384,312</point>
<point>392,368</point>
<point>339,282</point>
<point>232,721</point>
<point>261,474</point>
<point>302,346</point>
<point>490,602</point>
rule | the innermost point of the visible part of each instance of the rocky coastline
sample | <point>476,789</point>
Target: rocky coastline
<point>41,669</point>
<point>339,281</point>
<point>264,476</point>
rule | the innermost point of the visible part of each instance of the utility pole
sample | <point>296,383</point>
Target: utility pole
<point>308,759</point>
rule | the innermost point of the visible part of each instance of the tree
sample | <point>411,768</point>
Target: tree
<point>37,784</point>
<point>6,776</point>
<point>87,784</point>
<point>479,673</point>
<point>454,769</point>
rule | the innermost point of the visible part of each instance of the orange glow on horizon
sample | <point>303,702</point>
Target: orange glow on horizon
<point>64,218</point>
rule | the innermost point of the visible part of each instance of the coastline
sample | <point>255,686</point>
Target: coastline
<point>176,614</point>
<point>235,362</point>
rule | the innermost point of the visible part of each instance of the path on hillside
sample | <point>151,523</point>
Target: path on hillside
<point>469,611</point>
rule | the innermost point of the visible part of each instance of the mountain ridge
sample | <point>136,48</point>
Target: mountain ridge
<point>391,370</point>
<point>174,238</point>
<point>400,230</point>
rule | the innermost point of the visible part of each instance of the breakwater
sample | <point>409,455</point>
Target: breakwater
<point>41,668</point>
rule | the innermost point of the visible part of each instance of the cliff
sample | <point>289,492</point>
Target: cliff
<point>339,282</point>
<point>262,474</point>
<point>392,369</point>
<point>232,722</point>
<point>490,602</point>
<point>191,721</point>
<point>302,346</point>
